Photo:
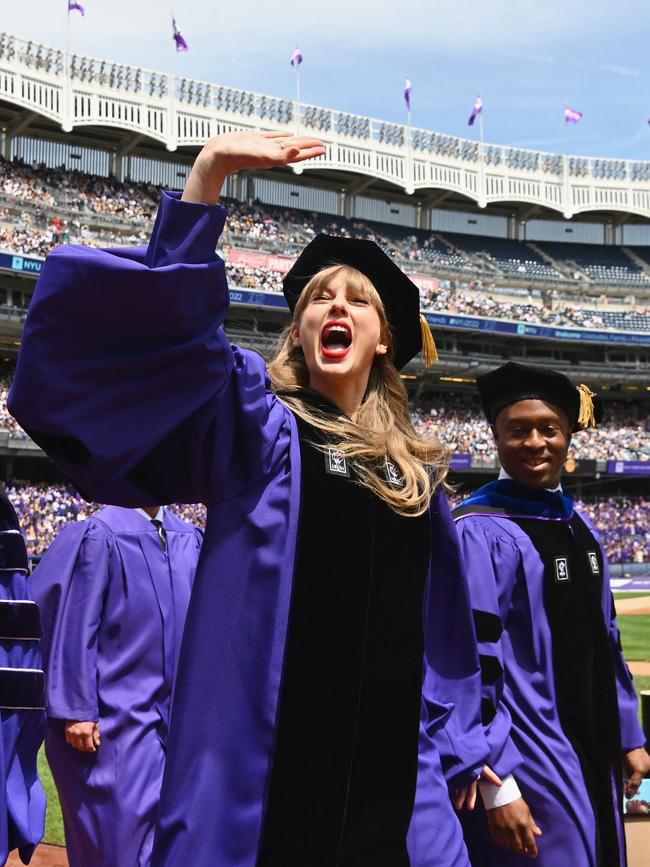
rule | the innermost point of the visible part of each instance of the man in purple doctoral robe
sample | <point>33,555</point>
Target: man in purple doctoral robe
<point>141,398</point>
<point>22,696</point>
<point>559,705</point>
<point>114,591</point>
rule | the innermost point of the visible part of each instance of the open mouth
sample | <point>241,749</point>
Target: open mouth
<point>336,339</point>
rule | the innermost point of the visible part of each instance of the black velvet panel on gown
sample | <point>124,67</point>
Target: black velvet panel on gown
<point>585,684</point>
<point>345,765</point>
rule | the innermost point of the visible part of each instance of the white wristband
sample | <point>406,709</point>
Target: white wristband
<point>498,796</point>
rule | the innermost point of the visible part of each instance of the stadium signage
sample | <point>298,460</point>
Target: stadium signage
<point>253,259</point>
<point>635,468</point>
<point>26,264</point>
<point>500,326</point>
<point>282,264</point>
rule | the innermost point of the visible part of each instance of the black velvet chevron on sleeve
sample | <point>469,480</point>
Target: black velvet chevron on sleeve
<point>488,626</point>
<point>491,668</point>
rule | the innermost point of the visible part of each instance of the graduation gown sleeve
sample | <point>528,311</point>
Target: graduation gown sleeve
<point>22,799</point>
<point>70,584</point>
<point>492,562</point>
<point>452,687</point>
<point>127,379</point>
<point>631,732</point>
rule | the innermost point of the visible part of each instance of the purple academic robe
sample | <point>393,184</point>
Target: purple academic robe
<point>142,398</point>
<point>526,738</point>
<point>22,799</point>
<point>114,603</point>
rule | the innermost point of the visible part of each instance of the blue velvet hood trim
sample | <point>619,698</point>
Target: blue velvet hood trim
<point>513,497</point>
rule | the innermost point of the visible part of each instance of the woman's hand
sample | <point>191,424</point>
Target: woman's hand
<point>225,154</point>
<point>465,798</point>
<point>82,735</point>
<point>513,827</point>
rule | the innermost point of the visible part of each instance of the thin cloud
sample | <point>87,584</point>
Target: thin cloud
<point>619,70</point>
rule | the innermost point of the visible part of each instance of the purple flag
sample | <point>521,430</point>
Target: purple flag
<point>296,57</point>
<point>408,87</point>
<point>478,108</point>
<point>571,115</point>
<point>75,5</point>
<point>181,44</point>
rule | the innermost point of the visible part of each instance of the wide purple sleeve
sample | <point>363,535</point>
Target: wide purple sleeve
<point>69,584</point>
<point>628,704</point>
<point>491,564</point>
<point>126,377</point>
<point>452,672</point>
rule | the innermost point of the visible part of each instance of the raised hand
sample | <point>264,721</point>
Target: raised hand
<point>225,154</point>
<point>82,735</point>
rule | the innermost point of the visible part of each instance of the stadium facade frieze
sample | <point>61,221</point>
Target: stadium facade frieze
<point>76,91</point>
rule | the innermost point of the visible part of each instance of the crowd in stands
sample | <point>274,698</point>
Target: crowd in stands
<point>254,279</point>
<point>452,297</point>
<point>458,422</point>
<point>285,231</point>
<point>43,510</point>
<point>624,525</point>
<point>49,187</point>
<point>7,422</point>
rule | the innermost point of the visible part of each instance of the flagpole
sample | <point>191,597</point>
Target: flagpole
<point>297,65</point>
<point>409,187</point>
<point>171,136</point>
<point>565,159</point>
<point>67,85</point>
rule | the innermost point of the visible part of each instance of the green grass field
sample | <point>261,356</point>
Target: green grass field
<point>621,595</point>
<point>635,636</point>
<point>53,819</point>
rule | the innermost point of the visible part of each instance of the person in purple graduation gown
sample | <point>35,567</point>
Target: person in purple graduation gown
<point>114,591</point>
<point>316,721</point>
<point>22,696</point>
<point>559,705</point>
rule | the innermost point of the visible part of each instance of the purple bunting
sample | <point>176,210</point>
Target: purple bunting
<point>296,57</point>
<point>74,5</point>
<point>407,93</point>
<point>572,115</point>
<point>181,44</point>
<point>478,108</point>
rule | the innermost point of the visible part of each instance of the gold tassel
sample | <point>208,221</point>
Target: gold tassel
<point>586,416</point>
<point>429,351</point>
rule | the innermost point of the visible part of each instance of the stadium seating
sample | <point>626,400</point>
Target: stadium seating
<point>603,265</point>
<point>41,207</point>
<point>43,511</point>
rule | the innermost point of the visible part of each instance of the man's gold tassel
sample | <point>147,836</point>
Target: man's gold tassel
<point>586,416</point>
<point>429,351</point>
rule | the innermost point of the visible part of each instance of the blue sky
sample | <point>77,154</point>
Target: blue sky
<point>526,57</point>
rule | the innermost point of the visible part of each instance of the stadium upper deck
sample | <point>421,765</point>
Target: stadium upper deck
<point>415,190</point>
<point>127,110</point>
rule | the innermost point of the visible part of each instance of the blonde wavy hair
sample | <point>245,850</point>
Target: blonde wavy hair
<point>382,429</point>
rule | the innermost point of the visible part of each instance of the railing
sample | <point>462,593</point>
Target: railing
<point>178,111</point>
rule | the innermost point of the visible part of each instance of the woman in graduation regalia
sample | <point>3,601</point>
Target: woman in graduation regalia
<point>559,705</point>
<point>309,693</point>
